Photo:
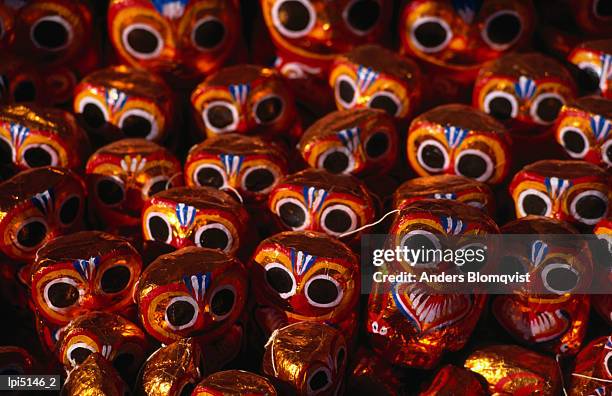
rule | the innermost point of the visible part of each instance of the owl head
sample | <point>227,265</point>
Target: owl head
<point>459,140</point>
<point>31,137</point>
<point>122,175</point>
<point>316,200</point>
<point>234,381</point>
<point>37,205</point>
<point>180,38</point>
<point>202,294</point>
<point>195,216</point>
<point>594,364</point>
<point>248,164</point>
<point>574,191</point>
<point>245,99</point>
<point>371,76</point>
<point>308,357</point>
<point>83,272</point>
<point>358,142</point>
<point>95,375</point>
<point>526,91</point>
<point>594,58</point>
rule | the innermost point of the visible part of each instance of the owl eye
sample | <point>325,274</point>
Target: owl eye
<point>337,160</point>
<point>69,210</point>
<point>268,109</point>
<point>292,213</point>
<point>340,357</point>
<point>589,206</point>
<point>534,202</point>
<point>159,227</point>
<point>377,145</point>
<point>259,179</point>
<point>387,102</point>
<point>430,34</point>
<point>293,18</point>
<point>574,141</point>
<point>608,364</point>
<point>155,185</point>
<point>338,219</point>
<point>432,156</point>
<point>222,302</point>
<point>181,313</point>
<point>511,265</point>
<point>590,74</point>
<point>6,152</point>
<point>93,112</point>
<point>51,33</point>
<point>474,164</point>
<point>345,90</point>
<point>501,105</point>
<point>220,116</point>
<point>361,15</point>
<point>214,236</point>
<point>110,191</point>
<point>209,175</point>
<point>31,234</point>
<point>545,108</point>
<point>323,291</point>
<point>606,152</point>
<point>115,279</point>
<point>280,280</point>
<point>560,278</point>
<point>142,41</point>
<point>78,352</point>
<point>421,240</point>
<point>139,124</point>
<point>602,9</point>
<point>61,293</point>
<point>319,380</point>
<point>37,155</point>
<point>208,33</point>
<point>502,29</point>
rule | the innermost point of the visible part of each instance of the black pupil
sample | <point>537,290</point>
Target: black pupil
<point>279,280</point>
<point>430,34</point>
<point>123,362</point>
<point>603,8</point>
<point>269,109</point>
<point>110,192</point>
<point>548,109</point>
<point>346,91</point>
<point>213,238</point>
<point>70,210</point>
<point>591,207</point>
<point>504,28</point>
<point>62,294</point>
<point>115,279</point>
<point>292,215</point>
<point>159,229</point>
<point>589,79</point>
<point>534,205</point>
<point>158,186</point>
<point>32,234</point>
<point>258,180</point>
<point>500,108</point>
<point>336,162</point>
<point>180,313</point>
<point>79,354</point>
<point>136,126</point>
<point>293,15</point>
<point>472,165</point>
<point>24,91</point>
<point>417,241</point>
<point>223,302</point>
<point>609,153</point>
<point>338,220</point>
<point>340,358</point>
<point>220,116</point>
<point>93,116</point>
<point>363,14</point>
<point>209,177</point>
<point>6,152</point>
<point>573,141</point>
<point>511,265</point>
<point>385,103</point>
<point>319,380</point>
<point>50,34</point>
<point>432,156</point>
<point>209,34</point>
<point>562,279</point>
<point>36,157</point>
<point>322,291</point>
<point>377,145</point>
<point>142,41</point>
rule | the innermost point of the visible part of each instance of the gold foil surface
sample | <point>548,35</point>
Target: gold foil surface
<point>94,377</point>
<point>234,383</point>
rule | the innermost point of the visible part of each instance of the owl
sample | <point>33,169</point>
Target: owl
<point>360,142</point>
<point>20,82</point>
<point>83,272</point>
<point>247,164</point>
<point>180,39</point>
<point>371,76</point>
<point>459,140</point>
<point>234,381</point>
<point>316,200</point>
<point>525,91</point>
<point>32,136</point>
<point>97,376</point>
<point>196,216</point>
<point>122,175</point>
<point>37,205</point>
<point>117,339</point>
<point>245,99</point>
<point>118,102</point>
<point>573,191</point>
<point>594,368</point>
<point>309,358</point>
<point>305,276</point>
<point>594,58</point>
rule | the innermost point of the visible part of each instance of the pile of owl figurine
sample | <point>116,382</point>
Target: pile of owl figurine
<point>185,186</point>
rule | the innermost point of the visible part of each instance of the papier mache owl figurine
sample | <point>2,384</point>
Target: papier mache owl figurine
<point>183,40</point>
<point>594,58</point>
<point>593,368</point>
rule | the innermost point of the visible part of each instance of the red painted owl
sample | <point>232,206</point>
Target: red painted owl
<point>593,369</point>
<point>594,58</point>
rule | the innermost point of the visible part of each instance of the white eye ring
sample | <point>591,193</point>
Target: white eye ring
<point>201,22</point>
<point>67,280</point>
<point>310,391</point>
<point>574,212</point>
<point>551,267</point>
<point>228,128</point>
<point>25,223</point>
<point>533,110</point>
<point>210,166</point>
<point>485,35</point>
<point>160,215</point>
<point>540,194</point>
<point>606,359</point>
<point>572,154</point>
<point>584,66</point>
<point>348,80</point>
<point>500,94</point>
<point>431,237</point>
<point>342,208</point>
<point>489,169</point>
<point>212,296</point>
<point>391,96</point>
<point>215,226</point>
<point>45,147</point>
<point>140,55</point>
<point>289,33</point>
<point>437,144</point>
<point>93,101</point>
<point>441,22</point>
<point>293,285</point>
<point>260,122</point>
<point>153,133</point>
<point>351,160</point>
<point>328,305</point>
<point>151,182</point>
<point>57,19</point>
<point>196,311</point>
<point>300,205</point>
<point>9,144</point>
<point>254,168</point>
<point>75,346</point>
<point>604,150</point>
